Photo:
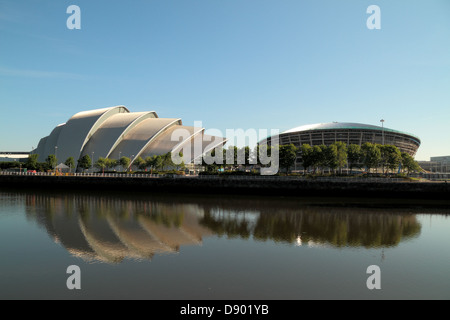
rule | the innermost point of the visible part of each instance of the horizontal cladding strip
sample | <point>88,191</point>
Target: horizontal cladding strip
<point>367,135</point>
<point>350,129</point>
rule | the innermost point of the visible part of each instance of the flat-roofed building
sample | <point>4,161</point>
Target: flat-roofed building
<point>7,156</point>
<point>439,164</point>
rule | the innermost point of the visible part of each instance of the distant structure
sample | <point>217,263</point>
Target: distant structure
<point>116,132</point>
<point>10,156</point>
<point>350,133</point>
<point>439,164</point>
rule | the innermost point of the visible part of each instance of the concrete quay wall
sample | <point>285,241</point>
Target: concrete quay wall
<point>242,186</point>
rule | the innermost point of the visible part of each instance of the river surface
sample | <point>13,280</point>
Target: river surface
<point>140,246</point>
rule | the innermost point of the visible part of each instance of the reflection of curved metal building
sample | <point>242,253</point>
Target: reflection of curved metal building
<point>102,229</point>
<point>111,228</point>
<point>115,132</point>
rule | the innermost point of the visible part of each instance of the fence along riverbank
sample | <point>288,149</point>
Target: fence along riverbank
<point>252,185</point>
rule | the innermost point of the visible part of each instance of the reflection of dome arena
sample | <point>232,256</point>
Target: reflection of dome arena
<point>116,132</point>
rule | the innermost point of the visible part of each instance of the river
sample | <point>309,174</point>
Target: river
<point>172,246</point>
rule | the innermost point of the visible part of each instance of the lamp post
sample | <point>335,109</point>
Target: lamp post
<point>92,161</point>
<point>382,131</point>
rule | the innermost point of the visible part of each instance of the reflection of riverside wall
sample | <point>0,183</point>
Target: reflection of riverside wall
<point>260,186</point>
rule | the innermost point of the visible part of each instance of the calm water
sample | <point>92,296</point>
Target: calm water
<point>172,247</point>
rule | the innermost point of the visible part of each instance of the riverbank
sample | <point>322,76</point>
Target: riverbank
<point>261,185</point>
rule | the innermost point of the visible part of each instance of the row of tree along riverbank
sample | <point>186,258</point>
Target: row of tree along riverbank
<point>261,185</point>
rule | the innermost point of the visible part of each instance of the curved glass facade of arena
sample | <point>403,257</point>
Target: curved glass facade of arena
<point>350,133</point>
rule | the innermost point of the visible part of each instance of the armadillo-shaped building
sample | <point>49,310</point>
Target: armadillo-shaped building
<point>116,132</point>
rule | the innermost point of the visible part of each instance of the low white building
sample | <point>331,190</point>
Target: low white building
<point>13,156</point>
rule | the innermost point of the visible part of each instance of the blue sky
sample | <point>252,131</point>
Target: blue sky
<point>249,64</point>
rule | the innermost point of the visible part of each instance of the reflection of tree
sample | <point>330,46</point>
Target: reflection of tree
<point>280,220</point>
<point>357,229</point>
<point>164,217</point>
<point>225,226</point>
<point>277,227</point>
<point>319,225</point>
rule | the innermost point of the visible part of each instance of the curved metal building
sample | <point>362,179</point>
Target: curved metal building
<point>350,133</point>
<point>116,132</point>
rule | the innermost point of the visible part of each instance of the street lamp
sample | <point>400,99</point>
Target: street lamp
<point>382,130</point>
<point>92,161</point>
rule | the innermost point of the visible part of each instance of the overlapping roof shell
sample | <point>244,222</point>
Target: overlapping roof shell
<point>116,132</point>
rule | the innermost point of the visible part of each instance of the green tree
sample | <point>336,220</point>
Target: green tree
<point>167,161</point>
<point>231,156</point>
<point>287,155</point>
<point>394,157</point>
<point>318,157</point>
<point>182,165</point>
<point>307,156</point>
<point>101,164</point>
<point>150,163</point>
<point>409,164</point>
<point>85,162</point>
<point>111,163</point>
<point>247,156</point>
<point>263,155</point>
<point>32,163</point>
<point>125,163</point>
<point>242,157</point>
<point>208,161</point>
<point>159,162</point>
<point>371,155</point>
<point>330,157</point>
<point>384,155</point>
<point>70,162</point>
<point>354,155</point>
<point>140,163</point>
<point>341,159</point>
<point>51,161</point>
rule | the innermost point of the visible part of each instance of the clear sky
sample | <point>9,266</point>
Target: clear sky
<point>249,64</point>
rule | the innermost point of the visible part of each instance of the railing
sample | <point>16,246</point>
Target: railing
<point>215,177</point>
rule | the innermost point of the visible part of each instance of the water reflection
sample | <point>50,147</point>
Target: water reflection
<point>111,228</point>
